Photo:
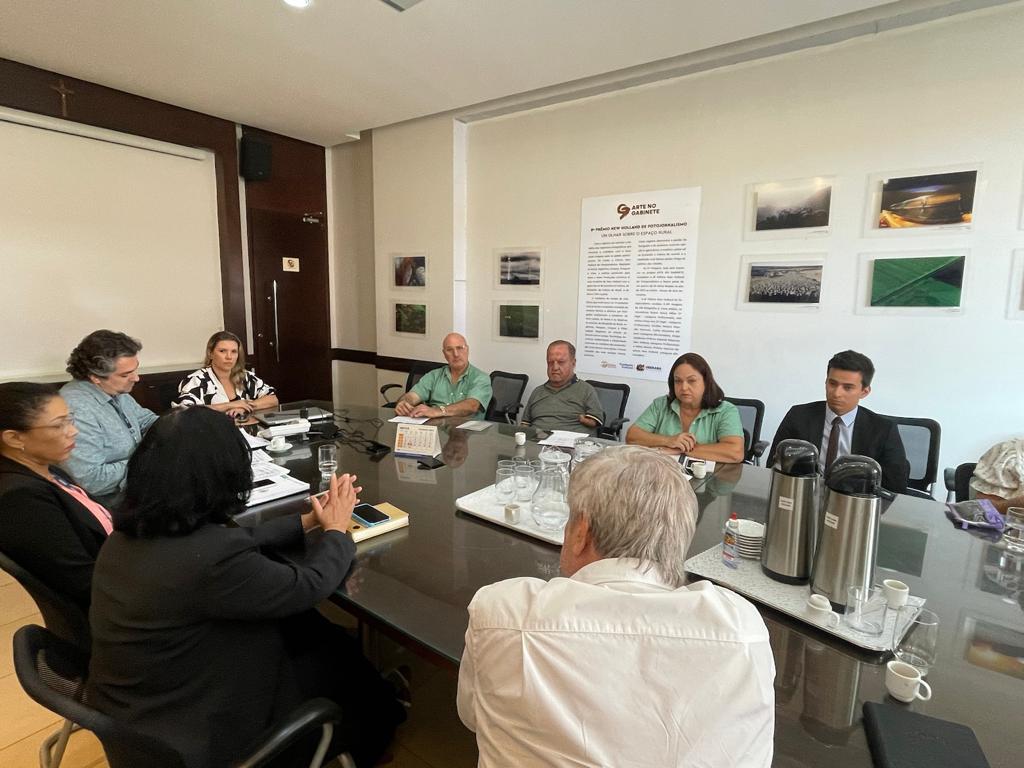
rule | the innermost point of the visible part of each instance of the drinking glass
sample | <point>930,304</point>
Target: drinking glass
<point>504,485</point>
<point>506,464</point>
<point>1013,531</point>
<point>865,609</point>
<point>916,638</point>
<point>526,482</point>
<point>327,458</point>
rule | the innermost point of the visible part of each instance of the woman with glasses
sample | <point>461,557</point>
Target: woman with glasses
<point>48,525</point>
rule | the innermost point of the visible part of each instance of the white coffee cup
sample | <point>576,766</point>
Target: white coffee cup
<point>896,593</point>
<point>819,609</point>
<point>699,469</point>
<point>277,443</point>
<point>904,683</point>
<point>520,438</point>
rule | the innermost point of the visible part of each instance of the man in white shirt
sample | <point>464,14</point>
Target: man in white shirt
<point>619,663</point>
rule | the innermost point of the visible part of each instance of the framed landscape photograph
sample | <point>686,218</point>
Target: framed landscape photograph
<point>926,282</point>
<point>410,318</point>
<point>517,321</point>
<point>410,270</point>
<point>931,201</point>
<point>1015,306</point>
<point>780,283</point>
<point>517,267</point>
<point>796,208</point>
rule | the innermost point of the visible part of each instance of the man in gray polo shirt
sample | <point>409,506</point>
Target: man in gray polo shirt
<point>563,401</point>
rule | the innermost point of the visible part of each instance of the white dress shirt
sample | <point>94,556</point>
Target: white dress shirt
<point>614,668</point>
<point>845,434</point>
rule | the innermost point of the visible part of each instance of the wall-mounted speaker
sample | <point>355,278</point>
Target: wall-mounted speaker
<point>254,159</point>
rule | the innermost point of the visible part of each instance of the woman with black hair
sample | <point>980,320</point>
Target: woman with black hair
<point>48,525</point>
<point>694,418</point>
<point>199,639</point>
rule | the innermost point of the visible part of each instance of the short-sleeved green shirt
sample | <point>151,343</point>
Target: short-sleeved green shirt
<point>710,426</point>
<point>436,388</point>
<point>551,409</point>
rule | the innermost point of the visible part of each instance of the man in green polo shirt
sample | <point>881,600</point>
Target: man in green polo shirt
<point>456,389</point>
<point>563,401</point>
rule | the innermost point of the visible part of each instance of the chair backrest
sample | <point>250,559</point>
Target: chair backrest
<point>751,417</point>
<point>507,395</point>
<point>63,616</point>
<point>613,398</point>
<point>962,481</point>
<point>418,370</point>
<point>53,673</point>
<point>921,443</point>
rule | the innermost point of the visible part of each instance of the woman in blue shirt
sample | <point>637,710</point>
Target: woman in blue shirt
<point>694,418</point>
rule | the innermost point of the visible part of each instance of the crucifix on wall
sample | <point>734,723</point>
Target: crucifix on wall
<point>64,92</point>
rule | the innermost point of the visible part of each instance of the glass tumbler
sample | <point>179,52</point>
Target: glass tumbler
<point>327,458</point>
<point>915,639</point>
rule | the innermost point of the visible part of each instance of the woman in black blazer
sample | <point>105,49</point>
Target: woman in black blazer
<point>48,525</point>
<point>198,638</point>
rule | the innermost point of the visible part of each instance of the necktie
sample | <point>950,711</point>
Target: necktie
<point>833,441</point>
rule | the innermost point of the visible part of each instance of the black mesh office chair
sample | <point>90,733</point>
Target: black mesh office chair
<point>921,443</point>
<point>507,396</point>
<point>65,619</point>
<point>418,370</point>
<point>52,672</point>
<point>752,417</point>
<point>958,481</point>
<point>613,399</point>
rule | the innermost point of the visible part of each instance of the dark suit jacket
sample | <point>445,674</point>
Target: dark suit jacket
<point>45,531</point>
<point>186,642</point>
<point>873,435</point>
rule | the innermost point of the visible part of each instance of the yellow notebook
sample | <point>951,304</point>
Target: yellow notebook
<point>399,519</point>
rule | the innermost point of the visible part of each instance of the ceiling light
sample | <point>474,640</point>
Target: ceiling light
<point>299,3</point>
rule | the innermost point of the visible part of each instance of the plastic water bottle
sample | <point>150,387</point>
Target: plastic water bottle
<point>730,555</point>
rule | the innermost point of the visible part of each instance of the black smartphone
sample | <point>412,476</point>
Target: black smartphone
<point>429,462</point>
<point>263,483</point>
<point>368,515</point>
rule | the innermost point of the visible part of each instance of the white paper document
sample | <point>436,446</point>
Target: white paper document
<point>261,470</point>
<point>260,455</point>
<point>252,441</point>
<point>563,438</point>
<point>408,420</point>
<point>475,426</point>
<point>276,488</point>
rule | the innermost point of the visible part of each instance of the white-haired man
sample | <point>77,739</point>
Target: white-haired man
<point>619,663</point>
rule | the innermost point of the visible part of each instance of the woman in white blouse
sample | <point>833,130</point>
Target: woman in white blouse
<point>224,384</point>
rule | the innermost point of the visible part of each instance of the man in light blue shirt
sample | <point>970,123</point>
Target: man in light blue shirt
<point>110,423</point>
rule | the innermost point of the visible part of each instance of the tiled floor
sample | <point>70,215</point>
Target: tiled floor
<point>433,737</point>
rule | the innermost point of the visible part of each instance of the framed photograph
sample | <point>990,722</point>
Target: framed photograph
<point>410,270</point>
<point>917,283</point>
<point>1015,305</point>
<point>771,283</point>
<point>796,208</point>
<point>930,201</point>
<point>517,321</point>
<point>517,267</point>
<point>410,319</point>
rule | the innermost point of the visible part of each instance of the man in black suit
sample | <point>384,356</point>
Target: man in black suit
<point>839,425</point>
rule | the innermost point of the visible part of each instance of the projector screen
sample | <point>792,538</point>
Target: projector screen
<point>102,230</point>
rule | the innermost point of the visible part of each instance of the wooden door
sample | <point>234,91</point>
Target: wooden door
<point>291,312</point>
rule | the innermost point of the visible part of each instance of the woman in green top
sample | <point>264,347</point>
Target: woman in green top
<point>694,418</point>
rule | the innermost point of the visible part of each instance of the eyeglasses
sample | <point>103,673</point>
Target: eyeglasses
<point>64,425</point>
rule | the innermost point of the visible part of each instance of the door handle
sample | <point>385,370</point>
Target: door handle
<point>277,339</point>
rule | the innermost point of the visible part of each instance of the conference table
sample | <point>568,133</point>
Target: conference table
<point>415,583</point>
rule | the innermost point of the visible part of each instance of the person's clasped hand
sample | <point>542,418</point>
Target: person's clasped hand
<point>335,513</point>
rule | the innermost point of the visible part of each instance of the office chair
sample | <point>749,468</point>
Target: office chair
<point>921,443</point>
<point>53,672</point>
<point>417,371</point>
<point>958,481</point>
<point>613,399</point>
<point>507,399</point>
<point>66,620</point>
<point>752,417</point>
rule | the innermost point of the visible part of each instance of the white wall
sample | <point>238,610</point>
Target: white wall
<point>931,96</point>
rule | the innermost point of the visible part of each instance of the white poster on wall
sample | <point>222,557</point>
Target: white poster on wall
<point>638,264</point>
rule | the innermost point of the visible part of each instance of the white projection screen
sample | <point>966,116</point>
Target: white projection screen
<point>101,230</point>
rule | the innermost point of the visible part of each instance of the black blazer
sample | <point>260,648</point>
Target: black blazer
<point>45,531</point>
<point>186,642</point>
<point>873,435</point>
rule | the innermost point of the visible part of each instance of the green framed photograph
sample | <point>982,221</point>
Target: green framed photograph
<point>517,320</point>
<point>411,318</point>
<point>927,281</point>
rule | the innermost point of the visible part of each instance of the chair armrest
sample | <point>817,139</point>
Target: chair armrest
<point>759,448</point>
<point>612,429</point>
<point>306,718</point>
<point>383,393</point>
<point>949,478</point>
<point>919,494</point>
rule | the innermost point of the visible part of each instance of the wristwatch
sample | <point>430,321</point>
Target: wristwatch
<point>444,410</point>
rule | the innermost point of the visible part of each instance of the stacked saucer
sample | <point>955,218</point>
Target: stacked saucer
<point>749,539</point>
